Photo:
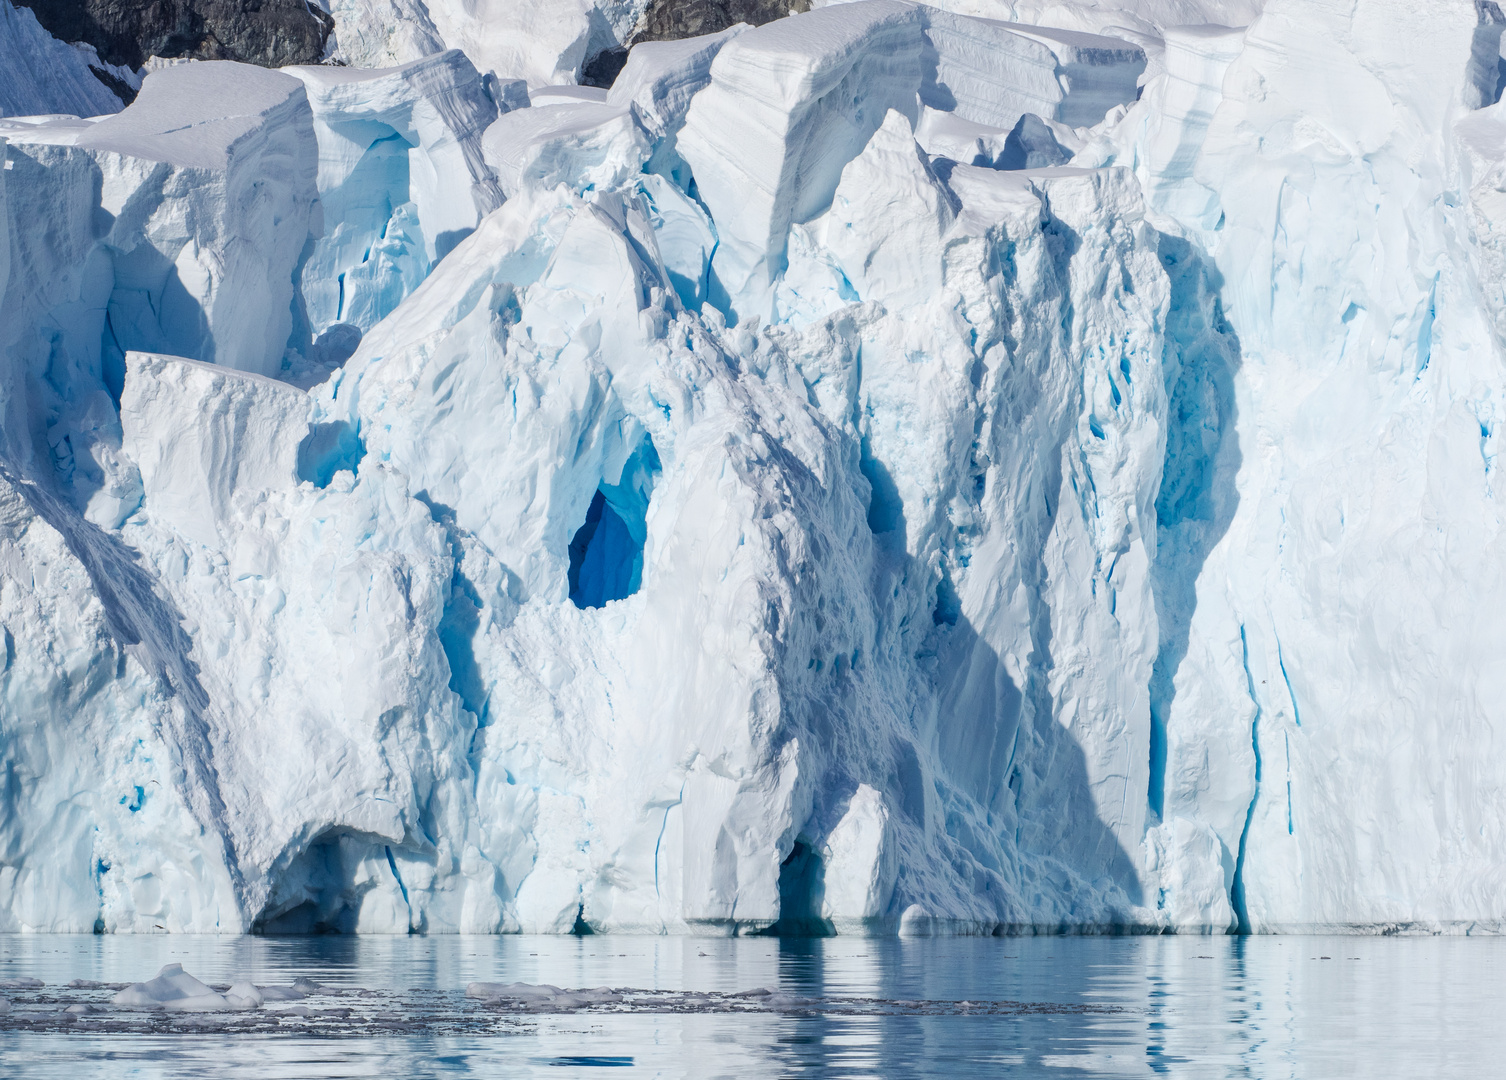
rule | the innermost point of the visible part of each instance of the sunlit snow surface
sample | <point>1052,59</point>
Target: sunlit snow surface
<point>965,1010</point>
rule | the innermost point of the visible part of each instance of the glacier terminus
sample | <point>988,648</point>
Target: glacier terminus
<point>987,466</point>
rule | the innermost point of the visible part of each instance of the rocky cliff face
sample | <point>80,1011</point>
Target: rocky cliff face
<point>670,20</point>
<point>271,33</point>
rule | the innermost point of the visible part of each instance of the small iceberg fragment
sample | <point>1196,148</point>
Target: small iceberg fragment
<point>4,1006</point>
<point>23,983</point>
<point>243,994</point>
<point>541,996</point>
<point>490,991</point>
<point>175,990</point>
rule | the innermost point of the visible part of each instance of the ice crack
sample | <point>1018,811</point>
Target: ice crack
<point>1237,891</point>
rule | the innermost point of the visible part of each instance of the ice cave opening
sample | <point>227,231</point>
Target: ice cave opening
<point>328,449</point>
<point>606,553</point>
<point>802,891</point>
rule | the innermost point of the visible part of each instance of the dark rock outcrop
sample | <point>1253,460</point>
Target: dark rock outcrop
<point>271,33</point>
<point>669,20</point>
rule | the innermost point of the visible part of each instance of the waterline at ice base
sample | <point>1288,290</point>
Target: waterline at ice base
<point>1001,467</point>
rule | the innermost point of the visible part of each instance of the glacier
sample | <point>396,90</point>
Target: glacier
<point>972,468</point>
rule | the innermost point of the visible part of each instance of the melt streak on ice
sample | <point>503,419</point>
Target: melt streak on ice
<point>895,469</point>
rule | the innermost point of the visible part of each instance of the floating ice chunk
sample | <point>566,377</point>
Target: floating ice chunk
<point>541,996</point>
<point>780,1001</point>
<point>244,995</point>
<point>173,989</point>
<point>581,144</point>
<point>520,993</point>
<point>490,991</point>
<point>25,982</point>
<point>281,993</point>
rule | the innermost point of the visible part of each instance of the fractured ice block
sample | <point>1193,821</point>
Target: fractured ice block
<point>401,180</point>
<point>204,188</point>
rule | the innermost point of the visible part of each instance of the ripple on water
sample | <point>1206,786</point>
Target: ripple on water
<point>758,1007</point>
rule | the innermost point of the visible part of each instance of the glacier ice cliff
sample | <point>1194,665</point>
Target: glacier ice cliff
<point>973,468</point>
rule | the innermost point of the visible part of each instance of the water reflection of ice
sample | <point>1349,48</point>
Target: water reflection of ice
<point>839,1007</point>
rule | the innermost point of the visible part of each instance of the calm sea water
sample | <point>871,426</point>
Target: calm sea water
<point>1087,1007</point>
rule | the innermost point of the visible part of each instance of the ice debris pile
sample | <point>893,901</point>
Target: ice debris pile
<point>895,469</point>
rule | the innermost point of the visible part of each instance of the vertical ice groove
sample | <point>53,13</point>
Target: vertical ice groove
<point>1425,333</point>
<point>1290,693</point>
<point>1237,890</point>
<point>1195,502</point>
<point>1289,828</point>
<point>659,840</point>
<point>392,865</point>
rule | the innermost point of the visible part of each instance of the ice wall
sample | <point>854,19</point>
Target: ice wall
<point>793,507</point>
<point>1329,514</point>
